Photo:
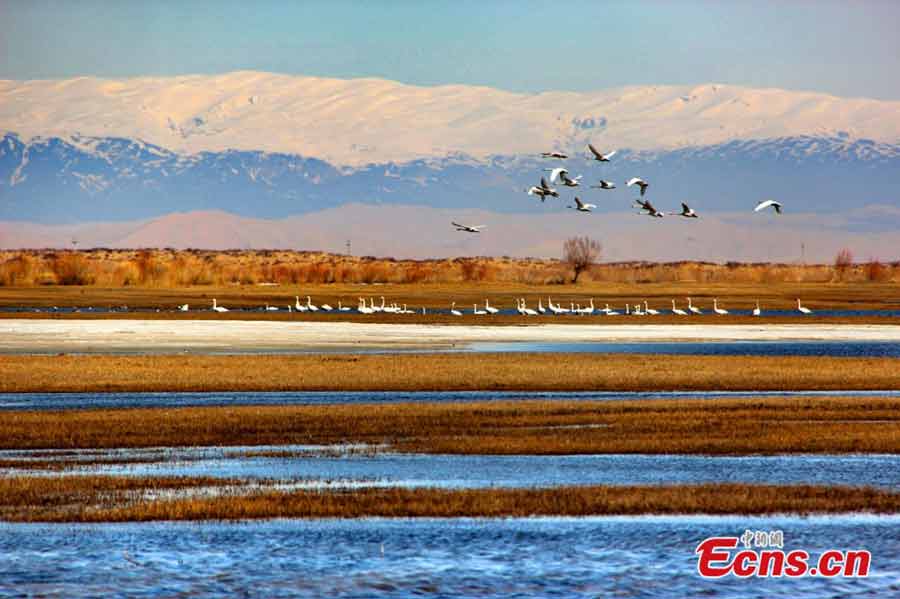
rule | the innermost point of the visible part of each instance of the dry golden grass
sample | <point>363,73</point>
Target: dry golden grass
<point>724,426</point>
<point>106,499</point>
<point>416,372</point>
<point>171,268</point>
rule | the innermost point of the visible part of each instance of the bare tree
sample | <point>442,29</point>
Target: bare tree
<point>580,253</point>
<point>842,263</point>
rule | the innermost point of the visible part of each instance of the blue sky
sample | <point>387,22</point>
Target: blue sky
<point>843,48</point>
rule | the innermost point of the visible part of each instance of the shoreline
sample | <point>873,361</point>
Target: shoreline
<point>31,336</point>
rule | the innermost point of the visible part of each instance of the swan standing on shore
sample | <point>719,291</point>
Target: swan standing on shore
<point>717,309</point>
<point>692,308</point>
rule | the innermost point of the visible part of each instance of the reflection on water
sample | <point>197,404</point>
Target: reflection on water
<point>85,401</point>
<point>360,465</point>
<point>566,557</point>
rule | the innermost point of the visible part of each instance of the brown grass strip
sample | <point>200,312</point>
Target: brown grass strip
<point>723,426</point>
<point>419,372</point>
<point>93,504</point>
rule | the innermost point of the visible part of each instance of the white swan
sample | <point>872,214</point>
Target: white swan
<point>649,310</point>
<point>181,308</point>
<point>717,309</point>
<point>677,311</point>
<point>297,305</point>
<point>802,309</point>
<point>218,308</point>
<point>454,311</point>
<point>756,310</point>
<point>692,308</point>
<point>763,205</point>
<point>489,308</point>
<point>310,306</point>
<point>476,311</point>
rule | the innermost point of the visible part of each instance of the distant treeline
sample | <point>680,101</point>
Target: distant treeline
<point>184,268</point>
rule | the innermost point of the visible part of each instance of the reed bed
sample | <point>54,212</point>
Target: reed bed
<point>737,426</point>
<point>168,268</point>
<point>72,499</point>
<point>435,372</point>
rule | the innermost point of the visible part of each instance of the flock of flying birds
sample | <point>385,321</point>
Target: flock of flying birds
<point>562,175</point>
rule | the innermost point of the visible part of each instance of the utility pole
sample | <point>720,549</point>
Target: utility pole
<point>348,248</point>
<point>802,253</point>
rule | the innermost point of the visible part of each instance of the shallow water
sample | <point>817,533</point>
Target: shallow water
<point>346,466</point>
<point>89,401</point>
<point>565,557</point>
<point>836,349</point>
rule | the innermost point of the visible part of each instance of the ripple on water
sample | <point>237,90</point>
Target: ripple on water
<point>571,557</point>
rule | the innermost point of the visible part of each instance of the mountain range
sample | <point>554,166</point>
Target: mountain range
<point>281,149</point>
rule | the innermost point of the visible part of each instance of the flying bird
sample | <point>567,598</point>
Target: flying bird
<point>598,156</point>
<point>648,208</point>
<point>563,175</point>
<point>543,191</point>
<point>687,212</point>
<point>763,205</point>
<point>605,185</point>
<point>468,228</point>
<point>582,207</point>
<point>640,183</point>
<point>559,155</point>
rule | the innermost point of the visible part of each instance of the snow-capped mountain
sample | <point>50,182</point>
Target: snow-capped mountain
<point>270,146</point>
<point>361,121</point>
<point>99,179</point>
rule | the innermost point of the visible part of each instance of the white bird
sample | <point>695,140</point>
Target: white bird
<point>581,206</point>
<point>310,306</point>
<point>543,191</point>
<point>271,308</point>
<point>600,157</point>
<point>218,308</point>
<point>454,311</point>
<point>342,308</point>
<point>802,309</point>
<point>677,311</point>
<point>687,212</point>
<point>363,308</point>
<point>326,307</point>
<point>717,309</point>
<point>756,310</point>
<point>650,311</point>
<point>610,312</point>
<point>468,228</point>
<point>476,311</point>
<point>604,185</point>
<point>297,306</point>
<point>181,308</point>
<point>489,308</point>
<point>692,308</point>
<point>541,308</point>
<point>526,310</point>
<point>563,176</point>
<point>640,183</point>
<point>648,209</point>
<point>763,205</point>
<point>588,309</point>
<point>559,155</point>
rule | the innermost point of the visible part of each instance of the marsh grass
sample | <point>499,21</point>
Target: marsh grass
<point>106,499</point>
<point>419,372</point>
<point>529,427</point>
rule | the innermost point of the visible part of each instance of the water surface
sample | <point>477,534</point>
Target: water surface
<point>564,557</point>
